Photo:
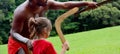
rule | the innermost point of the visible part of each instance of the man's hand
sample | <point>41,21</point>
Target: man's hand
<point>92,5</point>
<point>29,44</point>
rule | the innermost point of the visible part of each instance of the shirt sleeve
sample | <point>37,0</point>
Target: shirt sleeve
<point>50,49</point>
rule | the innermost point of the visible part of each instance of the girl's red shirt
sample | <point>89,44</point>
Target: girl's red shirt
<point>43,47</point>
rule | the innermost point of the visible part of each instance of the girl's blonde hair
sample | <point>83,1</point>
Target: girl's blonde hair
<point>36,25</point>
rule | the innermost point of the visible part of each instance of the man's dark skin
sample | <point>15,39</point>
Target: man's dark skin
<point>33,8</point>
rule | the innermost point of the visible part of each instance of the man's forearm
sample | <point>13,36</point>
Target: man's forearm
<point>19,37</point>
<point>71,4</point>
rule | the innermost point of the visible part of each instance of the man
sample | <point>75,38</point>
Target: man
<point>19,38</point>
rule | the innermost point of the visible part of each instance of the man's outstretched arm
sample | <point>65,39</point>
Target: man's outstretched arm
<point>70,4</point>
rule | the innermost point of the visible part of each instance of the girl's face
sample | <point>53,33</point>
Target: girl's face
<point>47,32</point>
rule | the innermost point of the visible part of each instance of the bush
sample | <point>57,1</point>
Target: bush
<point>101,17</point>
<point>1,41</point>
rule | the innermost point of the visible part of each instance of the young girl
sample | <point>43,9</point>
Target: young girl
<point>40,30</point>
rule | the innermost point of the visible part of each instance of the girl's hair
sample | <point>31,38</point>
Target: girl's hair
<point>36,25</point>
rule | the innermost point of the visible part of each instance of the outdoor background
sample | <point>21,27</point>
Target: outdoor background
<point>87,25</point>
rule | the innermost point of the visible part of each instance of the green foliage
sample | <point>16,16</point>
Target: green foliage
<point>1,16</point>
<point>18,2</point>
<point>6,11</point>
<point>7,6</point>
<point>3,28</point>
<point>69,27</point>
<point>1,41</point>
<point>116,4</point>
<point>100,17</point>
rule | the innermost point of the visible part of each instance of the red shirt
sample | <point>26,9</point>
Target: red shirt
<point>43,47</point>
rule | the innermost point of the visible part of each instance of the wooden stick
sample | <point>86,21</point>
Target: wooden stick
<point>60,19</point>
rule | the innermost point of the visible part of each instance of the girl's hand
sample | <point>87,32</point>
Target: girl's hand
<point>65,46</point>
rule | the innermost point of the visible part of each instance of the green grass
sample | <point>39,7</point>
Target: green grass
<point>3,49</point>
<point>102,41</point>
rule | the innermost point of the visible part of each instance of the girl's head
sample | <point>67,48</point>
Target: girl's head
<point>40,26</point>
